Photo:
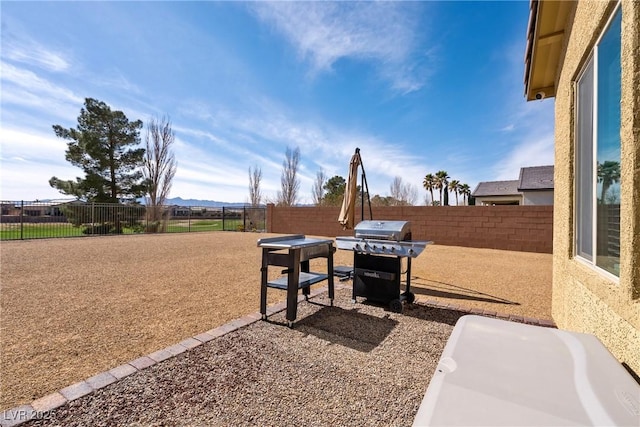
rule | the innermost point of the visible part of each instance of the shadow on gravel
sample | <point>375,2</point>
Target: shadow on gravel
<point>448,290</point>
<point>423,312</point>
<point>433,314</point>
<point>348,328</point>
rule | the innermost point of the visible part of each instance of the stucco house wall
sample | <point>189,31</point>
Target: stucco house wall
<point>499,200</point>
<point>584,299</point>
<point>541,198</point>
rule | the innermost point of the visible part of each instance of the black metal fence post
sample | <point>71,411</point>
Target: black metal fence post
<point>21,219</point>
<point>223,228</point>
<point>189,220</point>
<point>244,218</point>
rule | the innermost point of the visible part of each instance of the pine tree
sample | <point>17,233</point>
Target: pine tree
<point>104,146</point>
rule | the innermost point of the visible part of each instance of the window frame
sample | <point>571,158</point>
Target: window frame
<point>591,60</point>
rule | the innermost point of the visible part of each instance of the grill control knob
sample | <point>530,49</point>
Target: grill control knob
<point>393,248</point>
<point>383,248</point>
<point>410,251</point>
<point>375,247</point>
<point>358,246</point>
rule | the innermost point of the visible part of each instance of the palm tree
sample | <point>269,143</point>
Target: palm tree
<point>608,174</point>
<point>429,184</point>
<point>442,180</point>
<point>454,186</point>
<point>465,191</point>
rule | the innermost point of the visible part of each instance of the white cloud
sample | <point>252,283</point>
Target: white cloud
<point>214,156</point>
<point>31,146</point>
<point>115,79</point>
<point>29,160</point>
<point>535,152</point>
<point>30,80</point>
<point>529,126</point>
<point>533,137</point>
<point>200,134</point>
<point>30,180</point>
<point>325,32</point>
<point>26,88</point>
<point>534,147</point>
<point>33,53</point>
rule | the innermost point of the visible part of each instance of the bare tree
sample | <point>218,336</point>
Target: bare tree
<point>411,194</point>
<point>289,179</point>
<point>159,168</point>
<point>255,195</point>
<point>396,189</point>
<point>317,191</point>
<point>402,194</point>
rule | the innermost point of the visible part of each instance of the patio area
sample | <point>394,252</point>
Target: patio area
<point>348,364</point>
<point>352,364</point>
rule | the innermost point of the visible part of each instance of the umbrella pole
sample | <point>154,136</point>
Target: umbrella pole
<point>362,189</point>
<point>362,196</point>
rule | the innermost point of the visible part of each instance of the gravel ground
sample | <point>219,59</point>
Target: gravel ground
<point>352,365</point>
<point>71,308</point>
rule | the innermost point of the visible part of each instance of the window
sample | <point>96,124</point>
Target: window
<point>597,219</point>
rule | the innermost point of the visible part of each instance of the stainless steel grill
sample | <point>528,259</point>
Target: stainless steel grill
<point>378,249</point>
<point>392,238</point>
<point>385,230</point>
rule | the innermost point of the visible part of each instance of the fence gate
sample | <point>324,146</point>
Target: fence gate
<point>244,219</point>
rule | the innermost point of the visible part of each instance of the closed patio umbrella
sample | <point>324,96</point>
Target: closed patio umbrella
<point>348,211</point>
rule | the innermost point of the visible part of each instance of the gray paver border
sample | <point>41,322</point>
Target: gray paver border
<point>41,407</point>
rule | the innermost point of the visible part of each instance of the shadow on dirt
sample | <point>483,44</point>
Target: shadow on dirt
<point>448,290</point>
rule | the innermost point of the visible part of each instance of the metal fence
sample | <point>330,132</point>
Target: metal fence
<point>34,220</point>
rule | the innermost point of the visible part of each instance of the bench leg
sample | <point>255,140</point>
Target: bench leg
<point>292,286</point>
<point>330,273</point>
<point>263,284</point>
<point>304,267</point>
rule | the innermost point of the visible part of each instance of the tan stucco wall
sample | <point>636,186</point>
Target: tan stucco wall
<point>585,300</point>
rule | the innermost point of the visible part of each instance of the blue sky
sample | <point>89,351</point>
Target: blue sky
<point>417,86</point>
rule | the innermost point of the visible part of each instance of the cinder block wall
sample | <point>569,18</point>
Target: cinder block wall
<point>517,228</point>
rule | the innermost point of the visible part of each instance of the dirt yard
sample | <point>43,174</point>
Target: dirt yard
<point>73,307</point>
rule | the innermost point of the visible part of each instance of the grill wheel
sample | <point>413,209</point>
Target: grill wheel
<point>409,297</point>
<point>395,306</point>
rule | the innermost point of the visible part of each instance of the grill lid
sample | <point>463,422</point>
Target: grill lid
<point>384,230</point>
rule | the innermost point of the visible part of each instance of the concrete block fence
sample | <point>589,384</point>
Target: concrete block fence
<point>515,228</point>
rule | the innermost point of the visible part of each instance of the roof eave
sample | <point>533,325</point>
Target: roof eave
<point>545,40</point>
<point>501,195</point>
<point>535,189</point>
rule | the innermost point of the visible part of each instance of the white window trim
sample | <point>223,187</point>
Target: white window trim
<point>594,145</point>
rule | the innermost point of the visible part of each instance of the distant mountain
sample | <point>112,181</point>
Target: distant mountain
<point>206,203</point>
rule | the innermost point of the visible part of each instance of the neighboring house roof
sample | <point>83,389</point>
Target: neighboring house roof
<point>62,201</point>
<point>545,38</point>
<point>50,202</point>
<point>496,188</point>
<point>536,178</point>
